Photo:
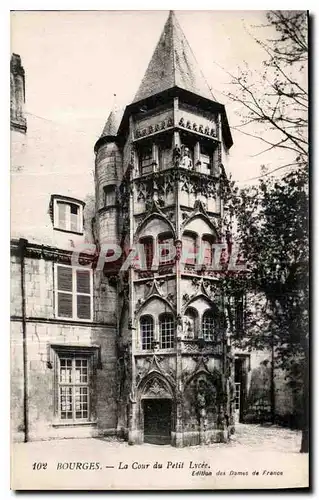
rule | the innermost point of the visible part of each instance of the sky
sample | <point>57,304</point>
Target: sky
<point>75,61</point>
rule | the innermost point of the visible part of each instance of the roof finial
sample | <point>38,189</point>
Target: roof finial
<point>115,105</point>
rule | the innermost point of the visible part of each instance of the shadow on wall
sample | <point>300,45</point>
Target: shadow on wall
<point>288,400</point>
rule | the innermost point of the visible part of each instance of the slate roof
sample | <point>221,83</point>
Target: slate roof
<point>112,123</point>
<point>173,64</point>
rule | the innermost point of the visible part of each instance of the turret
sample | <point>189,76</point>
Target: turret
<point>108,171</point>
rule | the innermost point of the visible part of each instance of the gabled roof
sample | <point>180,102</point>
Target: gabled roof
<point>173,64</point>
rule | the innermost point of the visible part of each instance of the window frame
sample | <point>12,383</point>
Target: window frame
<point>74,293</point>
<point>107,190</point>
<point>162,239</point>
<point>91,352</point>
<point>142,157</point>
<point>73,385</point>
<point>148,247</point>
<point>152,338</point>
<point>212,335</point>
<point>55,200</point>
<point>172,336</point>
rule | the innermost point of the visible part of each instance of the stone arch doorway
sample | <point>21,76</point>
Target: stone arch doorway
<point>156,410</point>
<point>157,421</point>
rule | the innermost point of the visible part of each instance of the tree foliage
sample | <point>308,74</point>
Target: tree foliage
<point>272,216</point>
<point>275,100</point>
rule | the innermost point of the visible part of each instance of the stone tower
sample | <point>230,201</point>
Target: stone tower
<point>160,168</point>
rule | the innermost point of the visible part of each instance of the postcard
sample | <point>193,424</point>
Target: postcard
<point>159,250</point>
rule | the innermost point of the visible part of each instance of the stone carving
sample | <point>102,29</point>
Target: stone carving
<point>178,245</point>
<point>157,389</point>
<point>176,155</point>
<point>186,160</point>
<point>151,129</point>
<point>189,328</point>
<point>179,327</point>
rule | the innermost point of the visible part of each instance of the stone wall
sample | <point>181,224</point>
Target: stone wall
<point>43,330</point>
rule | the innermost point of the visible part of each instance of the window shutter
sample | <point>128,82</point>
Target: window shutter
<point>84,306</point>
<point>83,281</point>
<point>65,278</point>
<point>65,305</point>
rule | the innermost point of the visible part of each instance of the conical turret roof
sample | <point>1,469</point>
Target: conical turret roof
<point>112,123</point>
<point>173,64</point>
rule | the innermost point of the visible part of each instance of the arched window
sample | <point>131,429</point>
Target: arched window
<point>147,243</point>
<point>165,249</point>
<point>208,326</point>
<point>167,331</point>
<point>207,249</point>
<point>147,331</point>
<point>189,248</point>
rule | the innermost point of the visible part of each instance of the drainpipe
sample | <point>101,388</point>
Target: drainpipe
<point>22,246</point>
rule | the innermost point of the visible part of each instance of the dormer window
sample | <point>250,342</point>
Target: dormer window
<point>67,214</point>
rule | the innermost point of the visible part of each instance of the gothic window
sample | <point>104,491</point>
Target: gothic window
<point>146,160</point>
<point>148,245</point>
<point>147,331</point>
<point>189,248</point>
<point>207,249</point>
<point>165,249</point>
<point>109,195</point>
<point>208,326</point>
<point>167,331</point>
<point>67,214</point>
<point>73,292</point>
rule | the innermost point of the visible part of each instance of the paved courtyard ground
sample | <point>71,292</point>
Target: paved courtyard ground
<point>257,456</point>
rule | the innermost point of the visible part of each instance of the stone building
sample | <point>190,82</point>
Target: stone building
<point>107,344</point>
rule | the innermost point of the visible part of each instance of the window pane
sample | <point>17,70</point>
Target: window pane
<point>84,306</point>
<point>62,214</point>
<point>81,402</point>
<point>65,305</point>
<point>83,281</point>
<point>74,223</point>
<point>81,371</point>
<point>66,403</point>
<point>74,209</point>
<point>147,331</point>
<point>167,333</point>
<point>65,278</point>
<point>65,370</point>
<point>208,326</point>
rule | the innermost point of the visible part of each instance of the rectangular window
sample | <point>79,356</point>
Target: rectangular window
<point>146,161</point>
<point>167,332</point>
<point>205,164</point>
<point>73,382</point>
<point>68,216</point>
<point>73,292</point>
